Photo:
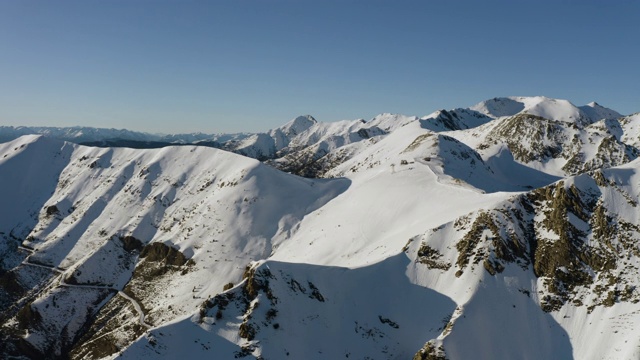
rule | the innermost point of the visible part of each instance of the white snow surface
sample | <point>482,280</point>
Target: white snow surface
<point>340,254</point>
<point>545,107</point>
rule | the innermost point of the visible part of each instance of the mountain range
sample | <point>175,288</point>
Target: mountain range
<point>508,229</point>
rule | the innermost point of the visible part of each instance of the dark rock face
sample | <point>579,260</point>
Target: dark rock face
<point>130,243</point>
<point>52,210</point>
<point>162,253</point>
<point>548,139</point>
<point>563,233</point>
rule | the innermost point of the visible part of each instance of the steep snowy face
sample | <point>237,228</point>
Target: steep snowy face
<point>390,122</point>
<point>568,247</point>
<point>263,146</point>
<point>631,129</point>
<point>298,125</point>
<point>499,107</point>
<point>332,312</point>
<point>103,243</point>
<point>456,119</point>
<point>322,146</point>
<point>307,153</point>
<point>597,112</point>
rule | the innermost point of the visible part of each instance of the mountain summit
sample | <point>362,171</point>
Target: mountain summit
<point>553,109</point>
<point>298,125</point>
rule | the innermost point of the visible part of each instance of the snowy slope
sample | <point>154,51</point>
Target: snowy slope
<point>508,230</point>
<point>99,207</point>
<point>559,248</point>
<point>491,254</point>
<point>556,109</point>
<point>322,146</point>
<point>551,145</point>
<point>325,146</point>
<point>631,129</point>
<point>357,238</point>
<point>306,134</point>
<point>595,111</point>
<point>306,311</point>
<point>265,145</point>
<point>364,228</point>
<point>456,119</point>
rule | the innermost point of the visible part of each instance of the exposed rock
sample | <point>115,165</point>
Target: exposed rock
<point>130,243</point>
<point>430,352</point>
<point>164,254</point>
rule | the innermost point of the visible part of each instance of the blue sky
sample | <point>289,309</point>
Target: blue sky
<point>230,66</point>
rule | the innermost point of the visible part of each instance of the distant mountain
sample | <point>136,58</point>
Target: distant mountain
<point>506,230</point>
<point>553,109</point>
<point>77,134</point>
<point>306,147</point>
<point>115,137</point>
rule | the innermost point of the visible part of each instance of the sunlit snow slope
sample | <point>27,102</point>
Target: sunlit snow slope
<point>506,230</point>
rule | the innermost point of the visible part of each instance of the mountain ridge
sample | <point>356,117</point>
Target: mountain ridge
<point>410,235</point>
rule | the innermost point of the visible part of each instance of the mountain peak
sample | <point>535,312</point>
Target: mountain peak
<point>499,106</point>
<point>597,112</point>
<point>548,108</point>
<point>299,124</point>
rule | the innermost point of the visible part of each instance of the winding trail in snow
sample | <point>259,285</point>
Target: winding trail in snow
<point>138,309</point>
<point>27,261</point>
<point>61,282</point>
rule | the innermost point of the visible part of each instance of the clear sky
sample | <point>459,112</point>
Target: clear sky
<point>230,66</point>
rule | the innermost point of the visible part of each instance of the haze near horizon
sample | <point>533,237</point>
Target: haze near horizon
<point>176,67</point>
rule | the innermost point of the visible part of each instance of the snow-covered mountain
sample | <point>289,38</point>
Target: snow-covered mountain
<point>506,230</point>
<point>75,134</point>
<point>554,109</point>
<point>117,137</point>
